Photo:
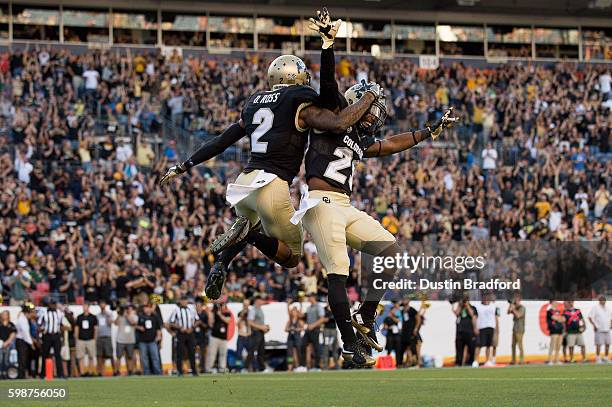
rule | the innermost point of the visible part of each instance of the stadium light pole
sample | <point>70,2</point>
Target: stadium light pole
<point>486,42</point>
<point>255,35</point>
<point>207,30</point>
<point>159,27</point>
<point>302,35</point>
<point>10,21</point>
<point>110,27</point>
<point>533,53</point>
<point>61,24</point>
<point>393,38</point>
<point>580,43</point>
<point>349,33</point>
<point>437,41</point>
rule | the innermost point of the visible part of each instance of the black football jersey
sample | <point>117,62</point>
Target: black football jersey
<point>277,145</point>
<point>332,157</point>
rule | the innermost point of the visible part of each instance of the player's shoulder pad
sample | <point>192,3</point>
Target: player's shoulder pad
<point>303,92</point>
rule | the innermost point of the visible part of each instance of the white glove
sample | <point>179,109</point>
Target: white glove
<point>324,26</point>
<point>373,88</point>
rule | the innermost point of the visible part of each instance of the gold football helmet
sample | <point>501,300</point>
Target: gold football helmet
<point>287,70</point>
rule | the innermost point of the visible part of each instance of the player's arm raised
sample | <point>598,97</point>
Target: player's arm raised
<point>208,150</point>
<point>405,141</point>
<point>327,29</point>
<point>323,119</point>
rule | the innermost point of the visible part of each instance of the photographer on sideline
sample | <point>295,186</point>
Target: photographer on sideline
<point>467,331</point>
<point>125,344</point>
<point>518,328</point>
<point>218,319</point>
<point>555,322</point>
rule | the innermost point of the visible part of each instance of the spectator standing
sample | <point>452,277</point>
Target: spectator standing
<point>330,341</point>
<point>8,332</point>
<point>219,319</point>
<point>467,332</point>
<point>410,321</point>
<point>600,317</point>
<point>91,81</point>
<point>86,331</point>
<point>19,284</point>
<point>126,322</point>
<point>602,199</point>
<point>278,283</point>
<point>294,329</point>
<point>24,341</point>
<point>574,326</point>
<point>257,323</point>
<point>202,332</point>
<point>69,344</point>
<point>517,310</point>
<point>183,321</point>
<point>605,81</point>
<point>176,107</point>
<point>555,323</point>
<point>489,158</point>
<point>50,323</point>
<point>244,335</point>
<point>104,343</point>
<point>149,333</point>
<point>315,317</point>
<point>488,321</point>
<point>391,324</point>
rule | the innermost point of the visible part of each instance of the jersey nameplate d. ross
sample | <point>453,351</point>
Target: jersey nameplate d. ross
<point>277,144</point>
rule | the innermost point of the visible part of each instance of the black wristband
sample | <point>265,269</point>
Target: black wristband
<point>185,166</point>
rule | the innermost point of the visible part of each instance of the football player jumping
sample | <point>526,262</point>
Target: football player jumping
<point>276,120</point>
<point>327,212</point>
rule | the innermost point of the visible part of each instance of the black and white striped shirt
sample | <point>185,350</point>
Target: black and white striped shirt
<point>51,321</point>
<point>184,317</point>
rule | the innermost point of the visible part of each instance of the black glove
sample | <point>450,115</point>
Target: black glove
<point>446,121</point>
<point>173,172</point>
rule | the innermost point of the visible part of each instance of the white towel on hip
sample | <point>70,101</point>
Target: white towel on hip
<point>306,203</point>
<point>237,192</point>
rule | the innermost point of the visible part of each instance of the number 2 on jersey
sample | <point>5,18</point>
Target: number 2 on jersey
<point>345,160</point>
<point>264,117</point>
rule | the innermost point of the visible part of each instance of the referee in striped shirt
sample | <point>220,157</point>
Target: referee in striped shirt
<point>183,321</point>
<point>50,323</point>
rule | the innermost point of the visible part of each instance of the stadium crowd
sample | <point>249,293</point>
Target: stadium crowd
<point>82,217</point>
<point>83,139</point>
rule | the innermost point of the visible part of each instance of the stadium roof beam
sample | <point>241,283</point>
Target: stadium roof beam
<point>523,12</point>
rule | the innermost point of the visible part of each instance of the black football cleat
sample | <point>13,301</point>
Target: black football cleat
<point>235,234</point>
<point>356,354</point>
<point>215,281</point>
<point>365,329</point>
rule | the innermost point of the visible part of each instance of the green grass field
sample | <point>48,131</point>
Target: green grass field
<point>530,385</point>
